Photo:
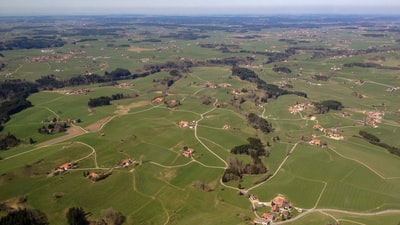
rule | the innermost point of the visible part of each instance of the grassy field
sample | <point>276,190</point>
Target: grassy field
<point>350,175</point>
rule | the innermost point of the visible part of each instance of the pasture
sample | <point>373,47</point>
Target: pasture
<point>346,181</point>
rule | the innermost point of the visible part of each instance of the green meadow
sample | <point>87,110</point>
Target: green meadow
<point>349,181</point>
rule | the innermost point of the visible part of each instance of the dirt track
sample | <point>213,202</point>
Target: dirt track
<point>71,133</point>
<point>76,131</point>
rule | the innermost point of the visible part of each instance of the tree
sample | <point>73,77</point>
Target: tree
<point>77,216</point>
<point>31,141</point>
<point>24,217</point>
<point>112,217</point>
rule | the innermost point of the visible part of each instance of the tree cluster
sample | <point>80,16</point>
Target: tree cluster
<point>254,148</point>
<point>100,101</point>
<point>24,217</point>
<point>370,65</point>
<point>271,90</point>
<point>53,128</point>
<point>259,123</point>
<point>326,106</point>
<point>8,141</point>
<point>281,69</point>
<point>236,169</point>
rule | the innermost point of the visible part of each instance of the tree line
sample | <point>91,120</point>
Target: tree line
<point>73,216</point>
<point>376,141</point>
<point>271,90</point>
<point>29,43</point>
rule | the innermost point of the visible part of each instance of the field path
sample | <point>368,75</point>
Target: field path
<point>277,170</point>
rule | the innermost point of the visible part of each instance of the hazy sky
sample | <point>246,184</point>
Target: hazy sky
<point>185,7</point>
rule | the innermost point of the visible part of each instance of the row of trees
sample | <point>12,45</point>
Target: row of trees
<point>106,100</point>
<point>74,216</point>
<point>259,123</point>
<point>376,141</point>
<point>29,43</point>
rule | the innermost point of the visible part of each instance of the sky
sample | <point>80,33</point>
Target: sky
<point>197,7</point>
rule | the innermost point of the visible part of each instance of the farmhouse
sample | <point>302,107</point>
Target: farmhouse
<point>188,152</point>
<point>318,127</point>
<point>226,126</point>
<point>334,136</point>
<point>316,142</point>
<point>225,85</point>
<point>126,162</point>
<point>157,100</point>
<point>93,176</point>
<point>65,166</point>
<point>209,84</point>
<point>183,123</point>
<point>279,203</point>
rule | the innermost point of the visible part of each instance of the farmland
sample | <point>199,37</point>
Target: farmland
<point>330,175</point>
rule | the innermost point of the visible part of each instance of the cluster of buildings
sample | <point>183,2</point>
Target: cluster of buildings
<point>391,89</point>
<point>280,208</point>
<point>47,58</point>
<point>82,91</point>
<point>333,134</point>
<point>188,152</point>
<point>373,118</point>
<point>298,107</point>
<point>209,84</point>
<point>64,167</point>
<point>184,124</point>
<point>125,85</point>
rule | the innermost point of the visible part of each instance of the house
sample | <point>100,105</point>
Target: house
<point>188,152</point>
<point>268,216</point>
<point>315,142</point>
<point>93,176</point>
<point>318,127</point>
<point>280,204</point>
<point>226,126</point>
<point>183,123</point>
<point>157,100</point>
<point>126,162</point>
<point>65,166</point>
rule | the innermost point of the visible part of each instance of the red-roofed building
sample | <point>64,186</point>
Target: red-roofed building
<point>315,142</point>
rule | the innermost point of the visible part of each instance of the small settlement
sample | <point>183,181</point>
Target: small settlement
<point>185,124</point>
<point>187,152</point>
<point>63,168</point>
<point>280,210</point>
<point>298,107</point>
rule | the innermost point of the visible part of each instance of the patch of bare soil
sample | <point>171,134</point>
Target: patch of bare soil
<point>72,132</point>
<point>96,126</point>
<point>124,109</point>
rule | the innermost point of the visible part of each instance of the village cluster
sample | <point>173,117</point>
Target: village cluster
<point>298,107</point>
<point>93,176</point>
<point>281,209</point>
<point>373,118</point>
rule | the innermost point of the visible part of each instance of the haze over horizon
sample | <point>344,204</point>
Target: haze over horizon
<point>195,7</point>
